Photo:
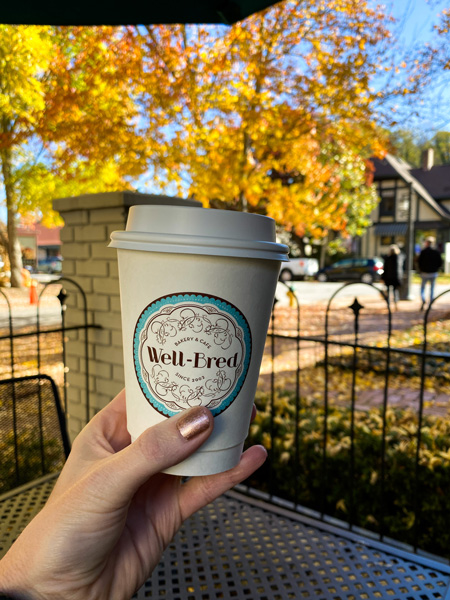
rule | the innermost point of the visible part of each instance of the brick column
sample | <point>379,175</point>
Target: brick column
<point>88,223</point>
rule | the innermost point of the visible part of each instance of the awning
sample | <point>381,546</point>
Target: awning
<point>391,229</point>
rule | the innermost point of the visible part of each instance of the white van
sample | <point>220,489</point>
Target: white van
<point>299,268</point>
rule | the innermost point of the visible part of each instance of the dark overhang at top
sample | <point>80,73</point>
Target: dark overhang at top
<point>133,12</point>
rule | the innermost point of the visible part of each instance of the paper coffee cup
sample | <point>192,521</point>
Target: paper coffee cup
<point>195,314</point>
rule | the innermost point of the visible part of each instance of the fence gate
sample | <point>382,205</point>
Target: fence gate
<point>34,333</point>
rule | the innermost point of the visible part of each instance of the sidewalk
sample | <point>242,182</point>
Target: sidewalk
<point>20,297</point>
<point>435,403</point>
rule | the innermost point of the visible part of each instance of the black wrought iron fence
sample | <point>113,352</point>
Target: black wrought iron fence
<point>33,378</point>
<point>34,338</point>
<point>358,430</point>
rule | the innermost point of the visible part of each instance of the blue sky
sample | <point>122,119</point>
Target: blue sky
<point>416,16</point>
<point>416,20</point>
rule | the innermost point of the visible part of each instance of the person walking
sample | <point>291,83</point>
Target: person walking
<point>429,261</point>
<point>393,273</point>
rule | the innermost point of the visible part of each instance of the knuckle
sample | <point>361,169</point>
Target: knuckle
<point>153,447</point>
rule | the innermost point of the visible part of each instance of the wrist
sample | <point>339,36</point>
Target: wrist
<point>11,587</point>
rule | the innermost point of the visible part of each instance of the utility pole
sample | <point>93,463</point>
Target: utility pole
<point>409,247</point>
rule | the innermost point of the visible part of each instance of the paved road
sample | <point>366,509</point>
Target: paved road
<point>25,316</point>
<point>309,292</point>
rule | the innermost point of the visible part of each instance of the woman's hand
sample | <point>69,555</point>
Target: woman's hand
<point>112,512</point>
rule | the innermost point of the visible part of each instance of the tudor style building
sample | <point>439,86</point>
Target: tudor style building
<point>414,203</point>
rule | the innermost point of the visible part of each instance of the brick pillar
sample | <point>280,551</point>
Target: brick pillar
<point>88,223</point>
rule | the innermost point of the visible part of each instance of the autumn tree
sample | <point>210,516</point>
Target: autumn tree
<point>67,119</point>
<point>443,49</point>
<point>276,114</point>
<point>24,55</point>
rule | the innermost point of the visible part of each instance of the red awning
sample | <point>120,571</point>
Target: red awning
<point>46,236</point>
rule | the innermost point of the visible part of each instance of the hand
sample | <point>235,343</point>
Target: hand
<point>112,512</point>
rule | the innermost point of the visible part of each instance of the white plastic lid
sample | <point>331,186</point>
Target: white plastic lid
<point>189,230</point>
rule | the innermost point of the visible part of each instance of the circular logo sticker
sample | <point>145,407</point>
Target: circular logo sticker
<point>191,350</point>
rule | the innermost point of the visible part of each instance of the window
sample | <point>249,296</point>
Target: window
<point>387,240</point>
<point>387,203</point>
<point>343,264</point>
<point>403,206</point>
<point>361,262</point>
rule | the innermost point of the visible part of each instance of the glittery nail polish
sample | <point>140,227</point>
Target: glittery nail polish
<point>193,423</point>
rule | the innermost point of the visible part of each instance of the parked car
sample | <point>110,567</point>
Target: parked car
<point>50,265</point>
<point>366,270</point>
<point>298,268</point>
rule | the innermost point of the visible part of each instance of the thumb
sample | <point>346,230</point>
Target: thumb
<point>158,448</point>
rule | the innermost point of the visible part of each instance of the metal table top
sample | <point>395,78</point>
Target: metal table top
<point>240,547</point>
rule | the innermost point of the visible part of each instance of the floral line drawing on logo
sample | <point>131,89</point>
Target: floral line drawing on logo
<point>191,350</point>
<point>219,330</point>
<point>185,396</point>
<point>164,329</point>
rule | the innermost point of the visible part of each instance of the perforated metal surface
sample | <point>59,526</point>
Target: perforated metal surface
<point>250,550</point>
<point>19,506</point>
<point>235,548</point>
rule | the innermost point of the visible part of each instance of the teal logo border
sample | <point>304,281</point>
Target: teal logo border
<point>173,300</point>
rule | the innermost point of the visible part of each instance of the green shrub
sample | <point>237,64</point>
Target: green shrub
<point>357,496</point>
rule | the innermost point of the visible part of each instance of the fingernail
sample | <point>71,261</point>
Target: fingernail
<point>193,423</point>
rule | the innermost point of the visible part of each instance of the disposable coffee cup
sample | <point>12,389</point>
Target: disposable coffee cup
<point>197,289</point>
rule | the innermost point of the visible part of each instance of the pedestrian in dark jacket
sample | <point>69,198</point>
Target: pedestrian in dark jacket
<point>429,261</point>
<point>393,272</point>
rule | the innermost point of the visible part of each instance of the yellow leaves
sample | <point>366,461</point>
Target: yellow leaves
<point>284,457</point>
<point>69,91</point>
<point>255,116</point>
<point>25,54</point>
<point>266,441</point>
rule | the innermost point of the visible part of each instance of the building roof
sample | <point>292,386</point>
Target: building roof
<point>385,170</point>
<point>436,180</point>
<point>392,167</point>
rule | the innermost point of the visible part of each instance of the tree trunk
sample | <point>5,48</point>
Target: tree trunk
<point>323,252</point>
<point>243,202</point>
<point>242,198</point>
<point>14,250</point>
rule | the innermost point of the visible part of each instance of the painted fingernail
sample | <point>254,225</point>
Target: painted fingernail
<point>193,423</point>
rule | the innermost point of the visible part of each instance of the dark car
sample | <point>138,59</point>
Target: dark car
<point>366,270</point>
